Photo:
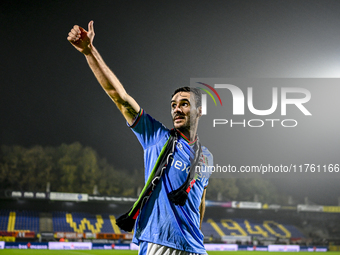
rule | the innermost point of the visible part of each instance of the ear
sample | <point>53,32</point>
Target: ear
<point>199,112</point>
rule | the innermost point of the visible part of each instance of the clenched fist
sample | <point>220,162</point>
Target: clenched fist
<point>82,39</point>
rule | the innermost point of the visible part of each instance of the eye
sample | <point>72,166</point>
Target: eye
<point>173,106</point>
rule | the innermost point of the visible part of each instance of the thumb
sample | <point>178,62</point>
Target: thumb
<point>91,29</point>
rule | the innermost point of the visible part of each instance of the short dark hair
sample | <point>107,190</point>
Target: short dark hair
<point>197,93</point>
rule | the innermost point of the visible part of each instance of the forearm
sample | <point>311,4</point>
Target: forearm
<point>112,86</point>
<point>104,75</point>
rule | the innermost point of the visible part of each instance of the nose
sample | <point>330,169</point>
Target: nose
<point>177,109</point>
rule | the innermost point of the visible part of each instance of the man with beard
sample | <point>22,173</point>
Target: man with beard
<point>168,214</point>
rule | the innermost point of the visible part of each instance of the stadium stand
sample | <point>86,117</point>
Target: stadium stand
<point>247,227</point>
<point>99,217</point>
<point>59,222</point>
<point>4,216</point>
<point>82,222</point>
<point>23,221</point>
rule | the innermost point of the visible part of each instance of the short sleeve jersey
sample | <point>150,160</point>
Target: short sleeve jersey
<point>160,221</point>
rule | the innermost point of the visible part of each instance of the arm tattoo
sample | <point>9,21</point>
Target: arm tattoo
<point>130,110</point>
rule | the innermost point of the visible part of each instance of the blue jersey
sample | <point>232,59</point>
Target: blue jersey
<point>160,221</point>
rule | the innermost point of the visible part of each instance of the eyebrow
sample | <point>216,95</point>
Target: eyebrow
<point>184,99</point>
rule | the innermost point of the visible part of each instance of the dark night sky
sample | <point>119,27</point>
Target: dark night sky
<point>49,95</point>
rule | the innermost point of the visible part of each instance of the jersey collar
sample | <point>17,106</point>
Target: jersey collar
<point>186,138</point>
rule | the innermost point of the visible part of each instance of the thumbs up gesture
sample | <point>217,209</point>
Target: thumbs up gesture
<point>82,39</point>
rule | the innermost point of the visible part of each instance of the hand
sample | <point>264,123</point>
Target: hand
<point>82,39</point>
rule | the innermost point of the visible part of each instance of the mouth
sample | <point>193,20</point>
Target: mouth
<point>178,118</point>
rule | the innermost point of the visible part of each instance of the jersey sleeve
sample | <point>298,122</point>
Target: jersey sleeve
<point>147,130</point>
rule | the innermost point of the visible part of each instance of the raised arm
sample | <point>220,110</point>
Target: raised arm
<point>82,40</point>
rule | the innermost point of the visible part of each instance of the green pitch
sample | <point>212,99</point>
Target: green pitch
<point>128,252</point>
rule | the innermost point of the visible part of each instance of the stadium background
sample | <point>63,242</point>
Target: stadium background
<point>28,217</point>
<point>49,98</point>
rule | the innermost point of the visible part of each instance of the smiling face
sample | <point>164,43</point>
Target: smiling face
<point>184,112</point>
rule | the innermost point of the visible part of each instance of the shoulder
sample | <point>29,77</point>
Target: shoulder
<point>145,119</point>
<point>148,130</point>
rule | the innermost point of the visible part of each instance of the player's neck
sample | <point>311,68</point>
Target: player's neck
<point>193,133</point>
<point>187,135</point>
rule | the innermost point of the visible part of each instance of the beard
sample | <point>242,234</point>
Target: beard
<point>183,124</point>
